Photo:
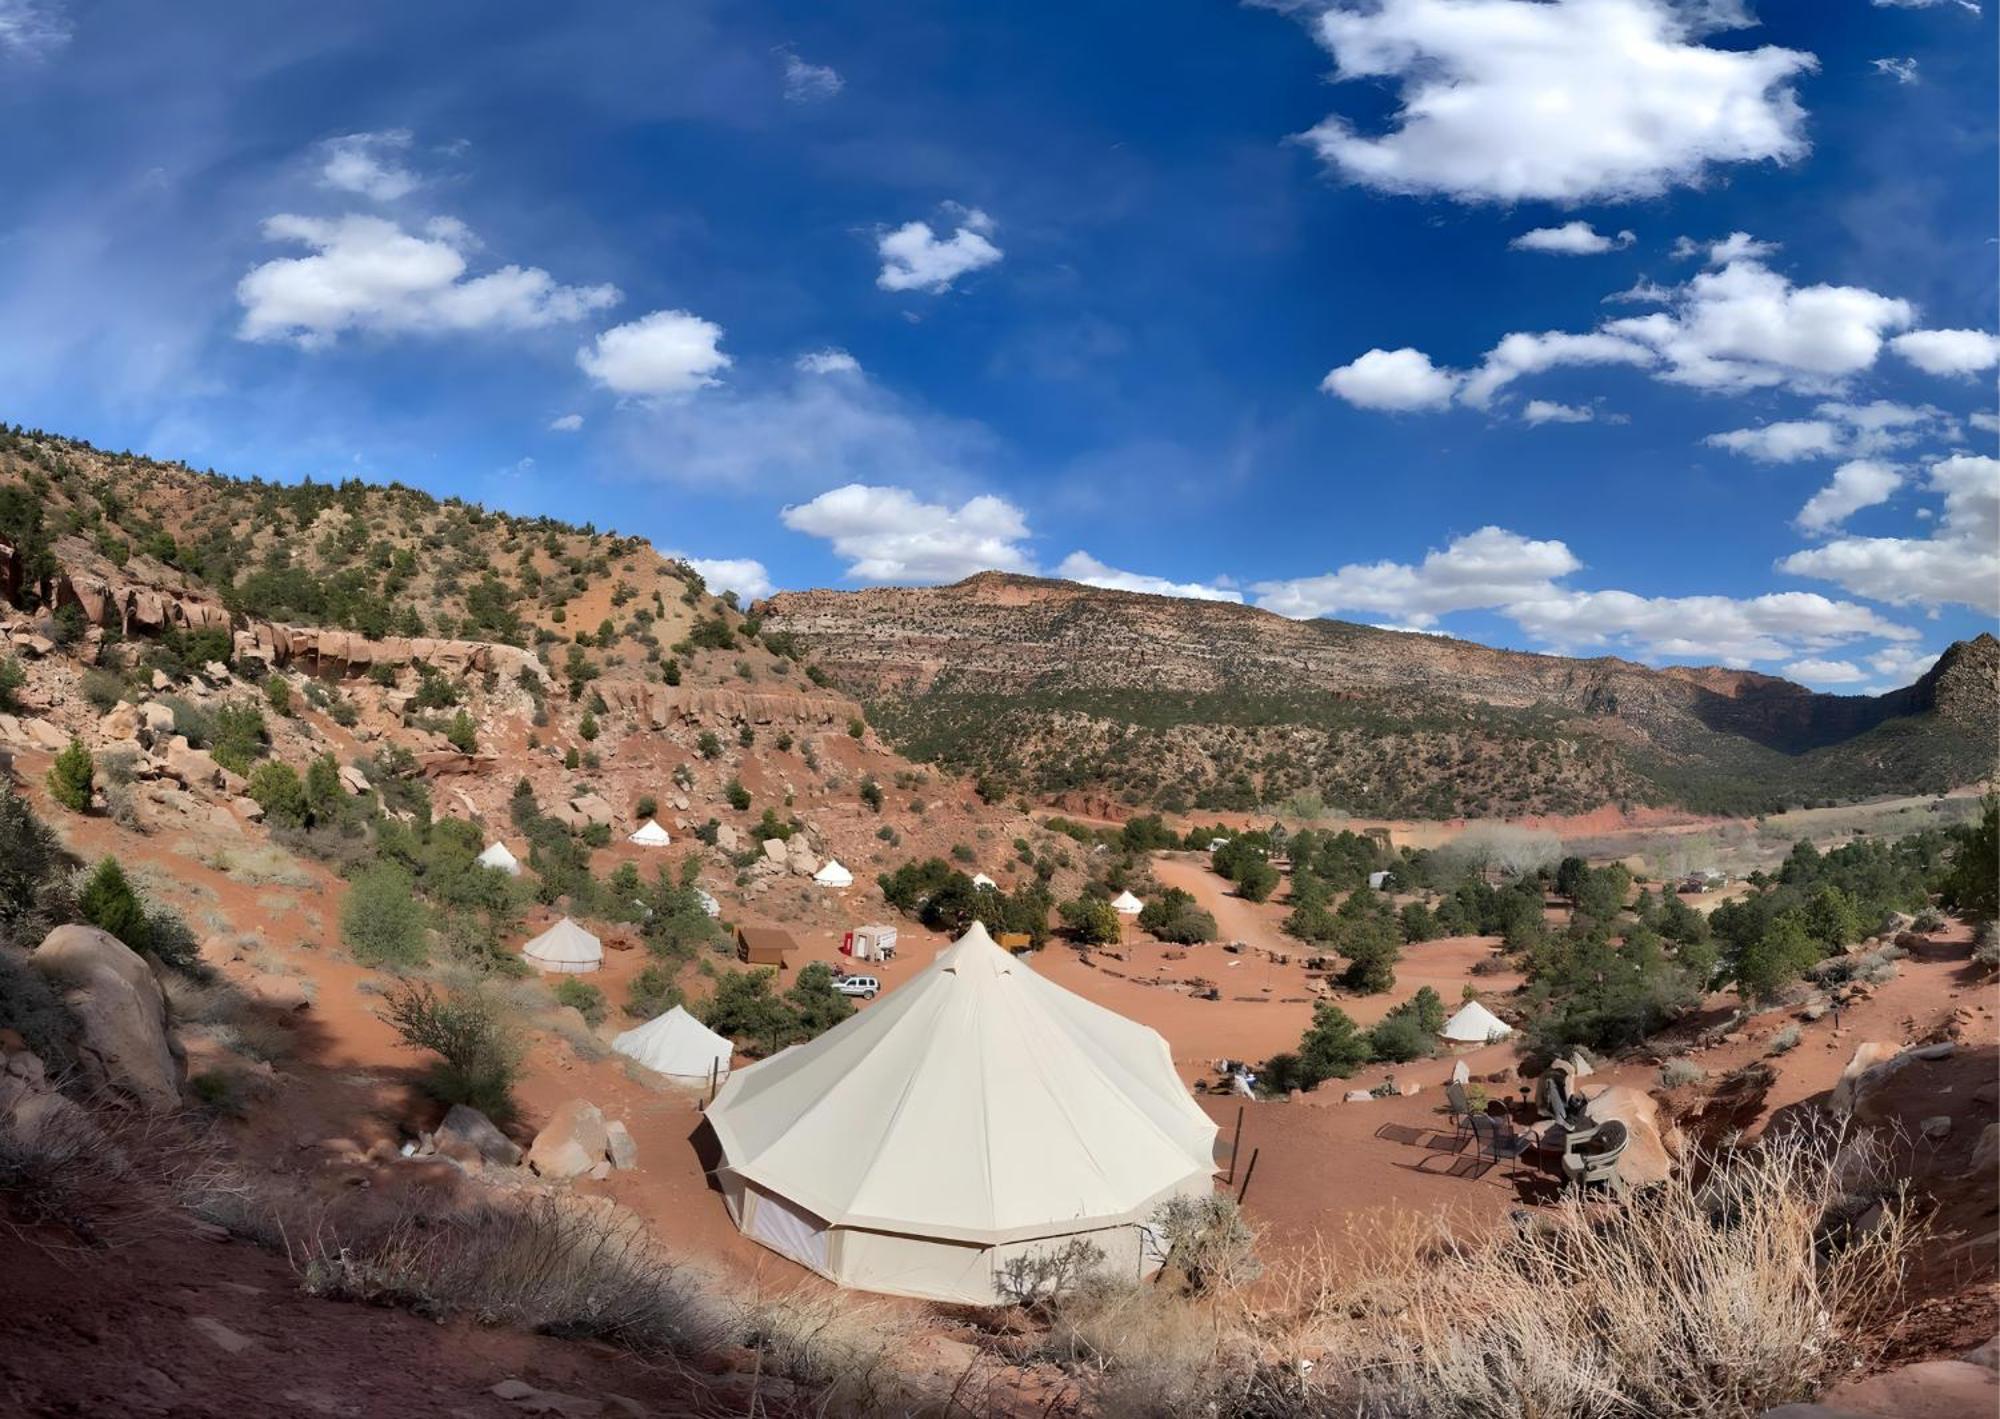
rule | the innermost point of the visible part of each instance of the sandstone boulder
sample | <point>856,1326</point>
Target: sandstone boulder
<point>471,1137</point>
<point>571,1143</point>
<point>593,809</point>
<point>621,1147</point>
<point>1867,1055</point>
<point>774,848</point>
<point>156,722</point>
<point>1931,1389</point>
<point>1647,1158</point>
<point>727,839</point>
<point>120,722</point>
<point>1986,1154</point>
<point>196,768</point>
<point>117,1003</point>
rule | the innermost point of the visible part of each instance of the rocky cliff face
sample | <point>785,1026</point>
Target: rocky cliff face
<point>1047,647</point>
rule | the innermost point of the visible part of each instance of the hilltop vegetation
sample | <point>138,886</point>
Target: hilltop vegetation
<point>1052,688</point>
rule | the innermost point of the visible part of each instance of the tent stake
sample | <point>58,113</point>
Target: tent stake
<point>714,1073</point>
<point>1248,1173</point>
<point>1235,1145</point>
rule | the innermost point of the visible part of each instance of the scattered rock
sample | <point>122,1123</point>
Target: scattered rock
<point>1936,1126</point>
<point>232,1341</point>
<point>1867,1055</point>
<point>1359,1096</point>
<point>287,993</point>
<point>470,1136</point>
<point>571,1143</point>
<point>1932,1053</point>
<point>529,1400</point>
<point>1986,1152</point>
<point>773,848</point>
<point>620,1144</point>
<point>727,839</point>
<point>1647,1158</point>
<point>1932,1389</point>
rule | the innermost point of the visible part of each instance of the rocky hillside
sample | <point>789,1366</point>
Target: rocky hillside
<point>1055,688</point>
<point>432,639</point>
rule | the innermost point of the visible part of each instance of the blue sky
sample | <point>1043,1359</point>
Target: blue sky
<point>1661,328</point>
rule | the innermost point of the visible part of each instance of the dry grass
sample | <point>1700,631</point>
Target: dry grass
<point>852,1355</point>
<point>1749,1290</point>
<point>550,1264</point>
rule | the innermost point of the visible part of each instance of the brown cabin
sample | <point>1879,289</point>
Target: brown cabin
<point>764,946</point>
<point>1015,941</point>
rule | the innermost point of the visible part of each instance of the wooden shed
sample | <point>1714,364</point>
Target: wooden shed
<point>764,946</point>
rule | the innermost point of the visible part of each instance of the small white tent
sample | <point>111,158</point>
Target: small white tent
<point>565,949</point>
<point>677,1045</point>
<point>497,857</point>
<point>1125,904</point>
<point>1474,1024</point>
<point>650,834</point>
<point>1377,880</point>
<point>980,879</point>
<point>975,1115</point>
<point>834,875</point>
<point>708,902</point>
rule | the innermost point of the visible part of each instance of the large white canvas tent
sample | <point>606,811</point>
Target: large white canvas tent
<point>565,949</point>
<point>1475,1024</point>
<point>977,1114</point>
<point>1125,904</point>
<point>677,1045</point>
<point>496,856</point>
<point>834,875</point>
<point>650,834</point>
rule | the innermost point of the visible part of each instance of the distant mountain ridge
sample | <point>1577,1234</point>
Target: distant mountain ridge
<point>1056,686</point>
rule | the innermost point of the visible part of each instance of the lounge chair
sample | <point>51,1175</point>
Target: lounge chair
<point>1497,1140</point>
<point>1593,1159</point>
<point>1459,1105</point>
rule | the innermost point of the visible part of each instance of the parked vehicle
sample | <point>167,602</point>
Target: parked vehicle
<point>864,986</point>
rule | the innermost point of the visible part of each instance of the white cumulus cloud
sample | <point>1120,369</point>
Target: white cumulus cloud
<point>369,274</point>
<point>1860,483</point>
<point>566,423</point>
<point>827,361</point>
<point>1949,352</point>
<point>1839,429</point>
<point>1958,564</point>
<point>1520,578</point>
<point>809,83</point>
<point>1555,100</point>
<point>664,353</point>
<point>1394,380</point>
<point>370,164</point>
<point>916,258</point>
<point>889,534</point>
<point>1903,71</point>
<point>1825,672</point>
<point>746,576</point>
<point>1547,411</point>
<point>1735,326</point>
<point>1081,566</point>
<point>1571,239</point>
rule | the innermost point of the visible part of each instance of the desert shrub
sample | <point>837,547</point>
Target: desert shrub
<point>12,678</point>
<point>278,695</point>
<point>708,745</point>
<point>646,807</point>
<point>107,901</point>
<point>1398,1039</point>
<point>102,689</point>
<point>1174,916</point>
<point>1033,1279</point>
<point>478,1055</point>
<point>1676,1073</point>
<point>240,735</point>
<point>737,794</point>
<point>1091,921</point>
<point>34,893</point>
<point>70,777</point>
<point>462,733</point>
<point>31,1005</point>
<point>652,993</point>
<point>583,997</point>
<point>381,921</point>
<point>276,787</point>
<point>548,1265</point>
